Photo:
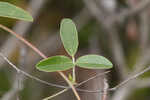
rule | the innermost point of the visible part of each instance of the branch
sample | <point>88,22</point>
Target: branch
<point>144,30</point>
<point>131,78</point>
<point>30,76</point>
<point>95,76</point>
<point>130,12</point>
<point>121,84</point>
<point>18,79</point>
<point>94,9</point>
<point>143,60</point>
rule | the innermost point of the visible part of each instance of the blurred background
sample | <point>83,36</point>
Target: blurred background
<point>116,29</point>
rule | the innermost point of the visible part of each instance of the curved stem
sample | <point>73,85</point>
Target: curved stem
<point>41,54</point>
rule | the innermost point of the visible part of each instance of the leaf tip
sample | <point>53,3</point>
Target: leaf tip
<point>66,20</point>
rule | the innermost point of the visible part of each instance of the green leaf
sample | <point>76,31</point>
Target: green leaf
<point>69,36</point>
<point>93,62</point>
<point>11,11</point>
<point>55,63</point>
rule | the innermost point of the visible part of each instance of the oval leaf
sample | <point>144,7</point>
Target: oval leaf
<point>93,62</point>
<point>11,11</point>
<point>55,63</point>
<point>69,36</point>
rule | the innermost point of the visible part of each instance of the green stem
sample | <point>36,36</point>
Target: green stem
<point>73,70</point>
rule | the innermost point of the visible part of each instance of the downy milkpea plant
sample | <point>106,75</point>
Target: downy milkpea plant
<point>69,37</point>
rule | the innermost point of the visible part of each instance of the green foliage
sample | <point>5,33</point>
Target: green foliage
<point>11,11</point>
<point>55,63</point>
<point>69,38</point>
<point>93,62</point>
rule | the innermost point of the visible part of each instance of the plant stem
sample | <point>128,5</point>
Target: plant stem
<point>42,55</point>
<point>74,74</point>
<point>64,90</point>
<point>50,97</point>
<point>106,86</point>
<point>73,70</point>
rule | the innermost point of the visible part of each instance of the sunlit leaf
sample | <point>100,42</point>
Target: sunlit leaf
<point>69,36</point>
<point>93,62</point>
<point>11,11</point>
<point>55,63</point>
